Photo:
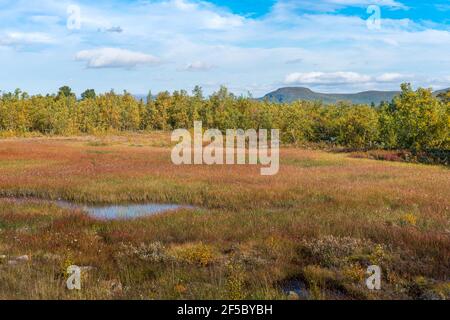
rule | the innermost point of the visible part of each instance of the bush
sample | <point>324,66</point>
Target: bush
<point>415,120</point>
<point>419,121</point>
<point>194,253</point>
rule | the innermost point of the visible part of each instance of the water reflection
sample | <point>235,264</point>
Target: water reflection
<point>122,211</point>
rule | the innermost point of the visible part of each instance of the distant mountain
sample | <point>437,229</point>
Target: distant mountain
<point>441,91</point>
<point>291,94</point>
<point>298,93</point>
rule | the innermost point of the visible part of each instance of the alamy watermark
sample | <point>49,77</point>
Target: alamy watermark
<point>74,17</point>
<point>374,20</point>
<point>373,282</point>
<point>231,150</point>
<point>74,279</point>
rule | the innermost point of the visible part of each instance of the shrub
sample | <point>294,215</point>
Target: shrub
<point>194,253</point>
<point>415,120</point>
<point>331,250</point>
<point>420,121</point>
<point>153,252</point>
<point>354,273</point>
<point>408,219</point>
<point>235,281</point>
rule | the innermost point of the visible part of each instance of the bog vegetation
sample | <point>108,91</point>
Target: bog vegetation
<point>309,232</point>
<point>415,120</point>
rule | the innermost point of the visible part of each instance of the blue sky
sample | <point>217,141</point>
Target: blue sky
<point>248,45</point>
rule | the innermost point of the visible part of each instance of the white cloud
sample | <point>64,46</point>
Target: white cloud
<point>345,78</point>
<point>392,77</point>
<point>290,38</point>
<point>115,58</point>
<point>381,3</point>
<point>283,6</point>
<point>355,82</point>
<point>322,78</point>
<point>216,21</point>
<point>184,5</point>
<point>24,38</point>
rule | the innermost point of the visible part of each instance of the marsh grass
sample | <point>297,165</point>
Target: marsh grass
<point>323,219</point>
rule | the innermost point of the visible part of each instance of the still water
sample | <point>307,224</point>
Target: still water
<point>111,212</point>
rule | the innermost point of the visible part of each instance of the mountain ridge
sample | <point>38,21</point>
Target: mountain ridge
<point>291,94</point>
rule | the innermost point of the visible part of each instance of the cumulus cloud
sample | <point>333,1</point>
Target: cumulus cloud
<point>392,77</point>
<point>115,58</point>
<point>217,21</point>
<point>291,36</point>
<point>323,78</point>
<point>23,38</point>
<point>333,5</point>
<point>344,78</point>
<point>208,16</point>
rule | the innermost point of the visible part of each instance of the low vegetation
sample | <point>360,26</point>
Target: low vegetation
<point>414,121</point>
<point>309,232</point>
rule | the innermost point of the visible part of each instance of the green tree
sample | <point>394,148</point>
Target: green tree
<point>421,120</point>
<point>179,110</point>
<point>358,127</point>
<point>88,94</point>
<point>296,123</point>
<point>65,92</point>
<point>159,114</point>
<point>388,132</point>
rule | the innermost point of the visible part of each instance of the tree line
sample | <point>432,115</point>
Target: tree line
<point>414,120</point>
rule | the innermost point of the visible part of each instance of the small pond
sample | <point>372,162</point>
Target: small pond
<point>112,212</point>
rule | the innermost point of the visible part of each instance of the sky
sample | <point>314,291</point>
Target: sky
<point>250,46</point>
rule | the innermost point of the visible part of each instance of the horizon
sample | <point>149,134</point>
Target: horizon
<point>250,46</point>
<point>248,94</point>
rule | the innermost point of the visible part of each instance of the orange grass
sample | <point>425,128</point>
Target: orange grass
<point>254,229</point>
